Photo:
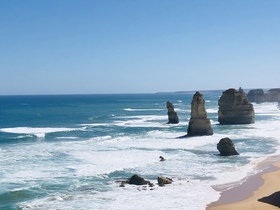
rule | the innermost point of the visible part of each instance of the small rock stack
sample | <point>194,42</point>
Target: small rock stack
<point>172,115</point>
<point>226,147</point>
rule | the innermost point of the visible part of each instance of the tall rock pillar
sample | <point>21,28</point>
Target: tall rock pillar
<point>199,124</point>
<point>172,115</point>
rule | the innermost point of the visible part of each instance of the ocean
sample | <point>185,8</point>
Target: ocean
<point>72,151</point>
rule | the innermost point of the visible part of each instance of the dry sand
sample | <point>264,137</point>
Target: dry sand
<point>255,194</point>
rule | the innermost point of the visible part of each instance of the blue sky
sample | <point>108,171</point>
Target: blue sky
<point>138,46</point>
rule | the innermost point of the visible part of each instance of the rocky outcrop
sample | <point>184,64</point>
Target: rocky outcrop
<point>256,95</point>
<point>226,147</point>
<point>273,95</point>
<point>199,124</point>
<point>137,180</point>
<point>259,96</point>
<point>172,115</point>
<point>234,108</point>
<point>164,180</point>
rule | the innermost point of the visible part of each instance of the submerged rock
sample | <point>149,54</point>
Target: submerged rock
<point>226,147</point>
<point>199,124</point>
<point>172,115</point>
<point>234,108</point>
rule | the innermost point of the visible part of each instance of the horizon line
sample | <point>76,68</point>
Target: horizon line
<point>160,92</point>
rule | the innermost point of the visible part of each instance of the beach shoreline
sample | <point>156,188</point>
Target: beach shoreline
<point>263,185</point>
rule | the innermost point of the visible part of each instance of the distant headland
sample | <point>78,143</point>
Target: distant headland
<point>254,95</point>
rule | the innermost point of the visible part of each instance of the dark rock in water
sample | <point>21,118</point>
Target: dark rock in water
<point>199,124</point>
<point>172,115</point>
<point>234,108</point>
<point>137,180</point>
<point>256,95</point>
<point>273,199</point>
<point>164,180</point>
<point>226,147</point>
<point>162,158</point>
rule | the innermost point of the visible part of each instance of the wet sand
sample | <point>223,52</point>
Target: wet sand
<point>259,192</point>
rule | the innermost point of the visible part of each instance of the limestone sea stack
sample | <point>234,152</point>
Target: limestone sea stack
<point>259,96</point>
<point>172,115</point>
<point>256,95</point>
<point>199,124</point>
<point>234,108</point>
<point>273,95</point>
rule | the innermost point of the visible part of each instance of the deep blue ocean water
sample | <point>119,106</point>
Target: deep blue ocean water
<point>71,151</point>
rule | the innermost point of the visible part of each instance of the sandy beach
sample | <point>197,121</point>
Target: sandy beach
<point>259,192</point>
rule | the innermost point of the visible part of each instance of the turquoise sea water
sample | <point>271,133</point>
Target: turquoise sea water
<point>71,151</point>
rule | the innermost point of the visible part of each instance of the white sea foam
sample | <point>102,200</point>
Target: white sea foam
<point>67,137</point>
<point>266,108</point>
<point>144,117</point>
<point>23,136</point>
<point>39,132</point>
<point>101,138</point>
<point>138,110</point>
<point>212,110</point>
<point>127,198</point>
<point>95,124</point>
<point>191,159</point>
<point>142,121</point>
<point>182,110</point>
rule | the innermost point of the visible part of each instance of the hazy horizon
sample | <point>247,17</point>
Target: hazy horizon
<point>246,90</point>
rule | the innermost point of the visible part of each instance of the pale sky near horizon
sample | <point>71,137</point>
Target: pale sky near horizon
<point>138,46</point>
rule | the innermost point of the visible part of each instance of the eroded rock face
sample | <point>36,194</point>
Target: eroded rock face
<point>226,147</point>
<point>199,124</point>
<point>234,108</point>
<point>172,115</point>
